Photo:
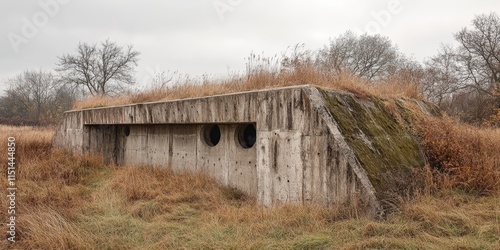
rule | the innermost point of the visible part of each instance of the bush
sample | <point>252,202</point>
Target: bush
<point>462,156</point>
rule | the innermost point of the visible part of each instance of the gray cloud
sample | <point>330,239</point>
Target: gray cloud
<point>190,36</point>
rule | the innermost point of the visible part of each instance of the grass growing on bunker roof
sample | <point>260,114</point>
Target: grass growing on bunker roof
<point>193,87</point>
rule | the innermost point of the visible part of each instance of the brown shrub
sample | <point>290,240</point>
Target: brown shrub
<point>462,156</point>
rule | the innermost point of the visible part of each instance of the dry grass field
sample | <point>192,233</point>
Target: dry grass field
<point>68,201</point>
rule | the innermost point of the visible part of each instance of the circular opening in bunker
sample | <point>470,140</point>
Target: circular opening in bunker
<point>246,135</point>
<point>127,131</point>
<point>211,135</point>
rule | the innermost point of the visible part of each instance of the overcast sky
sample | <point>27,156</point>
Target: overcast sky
<point>213,36</point>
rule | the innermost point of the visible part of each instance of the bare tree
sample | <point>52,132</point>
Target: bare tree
<point>442,76</point>
<point>36,97</point>
<point>367,56</point>
<point>465,81</point>
<point>12,109</point>
<point>405,70</point>
<point>479,53</point>
<point>101,70</point>
<point>34,90</point>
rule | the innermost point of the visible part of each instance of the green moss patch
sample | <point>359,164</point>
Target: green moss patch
<point>385,148</point>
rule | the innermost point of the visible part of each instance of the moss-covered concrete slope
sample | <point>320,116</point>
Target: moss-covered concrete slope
<point>380,138</point>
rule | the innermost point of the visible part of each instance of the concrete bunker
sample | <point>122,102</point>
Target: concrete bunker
<point>298,144</point>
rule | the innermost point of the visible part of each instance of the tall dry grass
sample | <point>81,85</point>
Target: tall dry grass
<point>258,80</point>
<point>49,187</point>
<point>461,155</point>
<point>75,202</point>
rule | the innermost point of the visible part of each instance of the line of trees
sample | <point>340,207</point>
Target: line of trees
<point>34,98</point>
<point>464,80</point>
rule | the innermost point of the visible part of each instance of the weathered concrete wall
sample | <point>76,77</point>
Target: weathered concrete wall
<point>177,146</point>
<point>304,151</point>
